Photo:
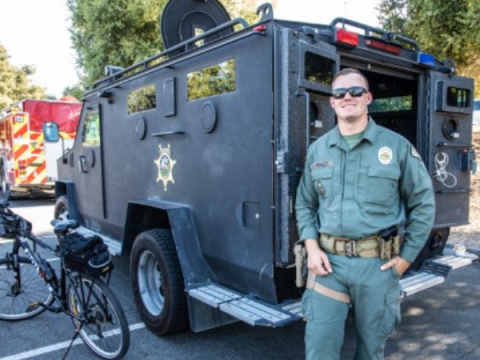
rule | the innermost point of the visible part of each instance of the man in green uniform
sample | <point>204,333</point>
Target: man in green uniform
<point>360,182</point>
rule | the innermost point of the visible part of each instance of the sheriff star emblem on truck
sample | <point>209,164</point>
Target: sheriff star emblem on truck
<point>165,166</point>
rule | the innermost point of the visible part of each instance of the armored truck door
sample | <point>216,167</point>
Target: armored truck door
<point>306,71</point>
<point>451,156</point>
<point>89,187</point>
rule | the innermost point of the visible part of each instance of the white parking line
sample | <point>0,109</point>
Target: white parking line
<point>59,346</point>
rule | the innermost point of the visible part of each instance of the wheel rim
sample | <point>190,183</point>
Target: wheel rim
<point>15,301</point>
<point>100,332</point>
<point>150,283</point>
<point>63,214</point>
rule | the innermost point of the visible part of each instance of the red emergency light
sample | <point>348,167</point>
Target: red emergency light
<point>347,38</point>
<point>260,28</point>
<point>382,46</point>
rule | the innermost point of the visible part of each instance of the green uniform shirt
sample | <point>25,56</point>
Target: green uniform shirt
<point>358,192</point>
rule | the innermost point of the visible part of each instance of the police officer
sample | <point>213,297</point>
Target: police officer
<point>360,182</point>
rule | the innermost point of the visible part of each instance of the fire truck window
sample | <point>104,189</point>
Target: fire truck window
<point>458,97</point>
<point>391,104</point>
<point>213,80</point>
<point>142,99</point>
<point>91,129</point>
<point>318,69</point>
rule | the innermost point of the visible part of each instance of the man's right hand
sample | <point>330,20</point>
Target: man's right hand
<point>318,262</point>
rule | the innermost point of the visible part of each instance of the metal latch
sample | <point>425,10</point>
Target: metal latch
<point>469,162</point>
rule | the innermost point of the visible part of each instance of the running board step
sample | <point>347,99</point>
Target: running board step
<point>434,272</point>
<point>244,308</point>
<point>114,246</point>
<point>256,312</point>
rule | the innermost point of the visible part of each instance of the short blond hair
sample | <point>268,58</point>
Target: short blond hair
<point>348,71</point>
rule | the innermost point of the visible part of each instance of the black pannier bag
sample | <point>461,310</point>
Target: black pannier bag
<point>86,255</point>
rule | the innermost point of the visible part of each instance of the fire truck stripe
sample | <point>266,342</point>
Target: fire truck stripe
<point>20,151</point>
<point>39,178</point>
<point>37,140</point>
<point>20,131</point>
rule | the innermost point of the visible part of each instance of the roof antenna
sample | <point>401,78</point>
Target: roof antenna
<point>344,11</point>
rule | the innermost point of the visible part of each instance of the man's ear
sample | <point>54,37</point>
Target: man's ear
<point>332,102</point>
<point>369,98</point>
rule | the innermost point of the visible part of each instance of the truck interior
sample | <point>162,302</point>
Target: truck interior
<point>394,103</point>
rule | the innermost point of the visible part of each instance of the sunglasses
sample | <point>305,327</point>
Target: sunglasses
<point>354,91</point>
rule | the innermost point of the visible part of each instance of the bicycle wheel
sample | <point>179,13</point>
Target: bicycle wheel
<point>15,299</point>
<point>104,328</point>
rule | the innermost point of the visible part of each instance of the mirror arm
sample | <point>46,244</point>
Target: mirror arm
<point>64,158</point>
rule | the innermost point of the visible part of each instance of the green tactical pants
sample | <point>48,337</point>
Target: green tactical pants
<point>375,302</point>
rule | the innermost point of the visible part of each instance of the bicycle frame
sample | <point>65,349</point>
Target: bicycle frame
<point>81,293</point>
<point>48,274</point>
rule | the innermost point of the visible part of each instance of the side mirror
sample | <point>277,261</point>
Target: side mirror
<point>50,132</point>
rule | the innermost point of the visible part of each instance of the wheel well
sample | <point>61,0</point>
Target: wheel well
<point>142,218</point>
<point>60,189</point>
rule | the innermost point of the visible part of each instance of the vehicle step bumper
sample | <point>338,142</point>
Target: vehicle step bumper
<point>255,312</point>
<point>434,272</point>
<point>251,311</point>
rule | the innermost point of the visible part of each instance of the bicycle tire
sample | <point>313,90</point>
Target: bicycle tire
<point>105,328</point>
<point>14,302</point>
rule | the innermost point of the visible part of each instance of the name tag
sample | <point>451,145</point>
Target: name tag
<point>321,164</point>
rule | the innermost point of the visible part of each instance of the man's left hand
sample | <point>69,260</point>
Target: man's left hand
<point>401,265</point>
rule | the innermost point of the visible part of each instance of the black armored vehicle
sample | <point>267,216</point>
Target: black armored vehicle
<point>188,161</point>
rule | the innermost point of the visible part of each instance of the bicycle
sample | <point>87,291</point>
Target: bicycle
<point>81,291</point>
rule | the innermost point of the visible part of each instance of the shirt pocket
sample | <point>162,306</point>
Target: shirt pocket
<point>382,185</point>
<point>323,183</point>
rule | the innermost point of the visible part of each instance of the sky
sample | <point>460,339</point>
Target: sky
<point>35,32</point>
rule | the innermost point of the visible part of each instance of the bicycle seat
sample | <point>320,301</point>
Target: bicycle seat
<point>63,226</point>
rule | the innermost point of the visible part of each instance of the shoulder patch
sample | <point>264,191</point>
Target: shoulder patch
<point>415,153</point>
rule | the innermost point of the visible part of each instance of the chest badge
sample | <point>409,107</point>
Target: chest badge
<point>165,166</point>
<point>385,155</point>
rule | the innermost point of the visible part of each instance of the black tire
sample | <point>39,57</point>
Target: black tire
<point>103,325</point>
<point>157,282</point>
<point>15,302</point>
<point>61,209</point>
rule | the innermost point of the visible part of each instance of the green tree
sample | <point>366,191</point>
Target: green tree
<point>116,33</point>
<point>14,82</point>
<point>124,32</point>
<point>446,29</point>
<point>77,91</point>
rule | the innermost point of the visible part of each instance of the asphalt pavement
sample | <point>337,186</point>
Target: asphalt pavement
<point>441,323</point>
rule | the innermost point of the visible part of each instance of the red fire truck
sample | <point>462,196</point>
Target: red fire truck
<point>27,163</point>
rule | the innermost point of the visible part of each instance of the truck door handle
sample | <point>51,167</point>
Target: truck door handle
<point>167,133</point>
<point>82,164</point>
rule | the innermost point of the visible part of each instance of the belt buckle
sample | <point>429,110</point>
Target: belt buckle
<point>350,248</point>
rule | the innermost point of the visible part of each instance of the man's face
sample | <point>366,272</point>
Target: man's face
<point>350,108</point>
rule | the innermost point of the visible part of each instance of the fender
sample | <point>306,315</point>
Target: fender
<point>67,188</point>
<point>151,214</point>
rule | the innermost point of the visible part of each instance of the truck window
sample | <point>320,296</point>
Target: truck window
<point>318,69</point>
<point>212,80</point>
<point>391,104</point>
<point>458,97</point>
<point>91,129</point>
<point>142,99</point>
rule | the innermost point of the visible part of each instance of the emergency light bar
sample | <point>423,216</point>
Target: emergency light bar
<point>383,46</point>
<point>347,37</point>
